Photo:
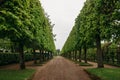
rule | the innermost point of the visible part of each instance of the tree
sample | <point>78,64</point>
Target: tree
<point>97,21</point>
<point>25,24</point>
<point>97,18</point>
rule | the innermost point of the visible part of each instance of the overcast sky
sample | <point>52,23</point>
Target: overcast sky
<point>62,14</point>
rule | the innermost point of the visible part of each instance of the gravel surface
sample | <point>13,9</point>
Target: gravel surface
<point>60,68</point>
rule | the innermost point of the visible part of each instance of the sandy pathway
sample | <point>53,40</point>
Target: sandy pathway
<point>60,69</point>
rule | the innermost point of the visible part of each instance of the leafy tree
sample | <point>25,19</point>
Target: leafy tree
<point>97,21</point>
<point>25,24</point>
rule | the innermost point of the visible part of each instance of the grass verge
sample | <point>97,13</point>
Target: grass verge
<point>85,64</point>
<point>104,73</point>
<point>81,63</point>
<point>16,74</point>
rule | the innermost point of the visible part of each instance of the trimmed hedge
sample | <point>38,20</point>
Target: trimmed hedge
<point>10,58</point>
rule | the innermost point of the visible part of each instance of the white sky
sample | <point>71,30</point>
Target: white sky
<point>62,14</point>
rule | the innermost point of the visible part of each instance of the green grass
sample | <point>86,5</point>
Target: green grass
<point>84,64</point>
<point>106,74</point>
<point>16,74</point>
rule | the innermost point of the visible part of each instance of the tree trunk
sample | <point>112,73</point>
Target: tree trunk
<point>112,56</point>
<point>34,57</point>
<point>67,55</point>
<point>75,55</point>
<point>99,52</point>
<point>21,56</point>
<point>47,55</point>
<point>118,55</point>
<point>71,55</point>
<point>43,54</point>
<point>52,55</point>
<point>85,54</point>
<point>40,59</point>
<point>80,55</point>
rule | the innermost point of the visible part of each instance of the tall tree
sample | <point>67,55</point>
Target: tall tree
<point>24,23</point>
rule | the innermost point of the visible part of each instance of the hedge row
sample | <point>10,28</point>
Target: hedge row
<point>10,58</point>
<point>111,56</point>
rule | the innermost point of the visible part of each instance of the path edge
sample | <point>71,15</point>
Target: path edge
<point>31,77</point>
<point>92,76</point>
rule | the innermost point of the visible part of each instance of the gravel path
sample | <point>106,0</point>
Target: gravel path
<point>60,68</point>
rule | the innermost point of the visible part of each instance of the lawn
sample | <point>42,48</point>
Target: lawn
<point>16,74</point>
<point>106,74</point>
<point>85,64</point>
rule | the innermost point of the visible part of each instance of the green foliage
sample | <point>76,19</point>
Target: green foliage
<point>43,38</point>
<point>15,21</point>
<point>91,56</point>
<point>113,45</point>
<point>71,42</point>
<point>24,21</point>
<point>5,44</point>
<point>10,58</point>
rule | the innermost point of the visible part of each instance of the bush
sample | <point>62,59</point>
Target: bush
<point>10,58</point>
